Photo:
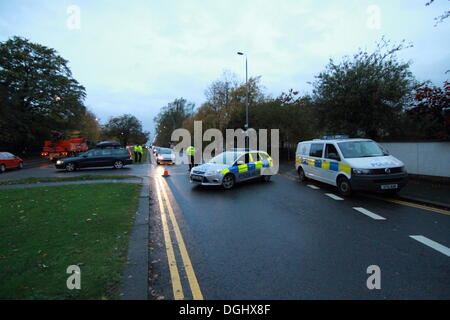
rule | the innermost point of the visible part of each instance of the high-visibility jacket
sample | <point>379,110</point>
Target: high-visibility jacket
<point>136,148</point>
<point>190,151</point>
<point>140,150</point>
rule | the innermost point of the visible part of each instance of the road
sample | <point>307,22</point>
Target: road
<point>284,240</point>
<point>287,240</point>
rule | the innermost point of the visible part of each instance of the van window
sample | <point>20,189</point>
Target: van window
<point>331,149</point>
<point>303,149</point>
<point>361,149</point>
<point>316,150</point>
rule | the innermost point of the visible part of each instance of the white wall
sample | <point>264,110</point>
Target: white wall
<point>426,158</point>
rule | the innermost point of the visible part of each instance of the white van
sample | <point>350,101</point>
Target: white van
<point>350,164</point>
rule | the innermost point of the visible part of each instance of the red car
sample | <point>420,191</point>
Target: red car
<point>8,161</point>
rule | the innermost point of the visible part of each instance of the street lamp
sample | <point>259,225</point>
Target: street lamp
<point>246,85</point>
<point>247,102</point>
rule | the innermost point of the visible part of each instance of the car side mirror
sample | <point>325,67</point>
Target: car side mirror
<point>240,162</point>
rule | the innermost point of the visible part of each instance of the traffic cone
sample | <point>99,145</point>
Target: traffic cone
<point>166,173</point>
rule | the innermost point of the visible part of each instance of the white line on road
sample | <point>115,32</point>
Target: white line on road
<point>313,186</point>
<point>432,244</point>
<point>369,213</point>
<point>333,196</point>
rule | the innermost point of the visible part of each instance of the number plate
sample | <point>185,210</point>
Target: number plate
<point>389,186</point>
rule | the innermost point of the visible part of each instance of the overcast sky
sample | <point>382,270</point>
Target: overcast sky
<point>136,56</point>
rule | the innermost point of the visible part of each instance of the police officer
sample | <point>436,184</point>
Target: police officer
<point>136,153</point>
<point>190,152</point>
<point>140,151</point>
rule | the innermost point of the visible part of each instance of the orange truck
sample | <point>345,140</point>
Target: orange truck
<point>53,150</point>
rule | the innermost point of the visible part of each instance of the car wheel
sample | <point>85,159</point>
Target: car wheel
<point>301,174</point>
<point>344,187</point>
<point>228,181</point>
<point>70,167</point>
<point>266,178</point>
<point>2,168</point>
<point>20,165</point>
<point>118,164</point>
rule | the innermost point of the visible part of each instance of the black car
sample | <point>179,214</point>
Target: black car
<point>117,158</point>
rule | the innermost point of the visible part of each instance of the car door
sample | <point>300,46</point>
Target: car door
<point>315,161</point>
<point>91,158</point>
<point>106,158</point>
<point>10,160</point>
<point>257,164</point>
<point>243,172</point>
<point>330,163</point>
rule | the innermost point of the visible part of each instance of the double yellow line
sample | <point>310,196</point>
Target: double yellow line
<point>164,203</point>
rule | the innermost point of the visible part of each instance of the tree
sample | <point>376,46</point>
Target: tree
<point>125,129</point>
<point>442,17</point>
<point>37,94</point>
<point>171,117</point>
<point>364,95</point>
<point>428,113</point>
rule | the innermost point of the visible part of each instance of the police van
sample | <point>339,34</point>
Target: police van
<point>350,164</point>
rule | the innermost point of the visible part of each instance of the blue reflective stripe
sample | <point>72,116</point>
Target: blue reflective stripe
<point>318,163</point>
<point>251,166</point>
<point>266,164</point>
<point>234,169</point>
<point>334,166</point>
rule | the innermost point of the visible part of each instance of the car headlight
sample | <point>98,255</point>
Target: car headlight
<point>217,171</point>
<point>361,171</point>
<point>59,162</point>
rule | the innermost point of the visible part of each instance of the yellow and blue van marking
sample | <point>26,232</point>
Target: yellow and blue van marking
<point>324,164</point>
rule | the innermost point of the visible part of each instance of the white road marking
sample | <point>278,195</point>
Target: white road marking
<point>369,213</point>
<point>432,244</point>
<point>333,196</point>
<point>313,186</point>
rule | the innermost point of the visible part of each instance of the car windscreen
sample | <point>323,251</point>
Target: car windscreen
<point>227,158</point>
<point>165,151</point>
<point>361,149</point>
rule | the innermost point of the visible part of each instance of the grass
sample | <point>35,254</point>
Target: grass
<point>71,178</point>
<point>45,230</point>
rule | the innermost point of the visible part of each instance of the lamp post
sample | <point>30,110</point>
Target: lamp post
<point>246,85</point>
<point>247,98</point>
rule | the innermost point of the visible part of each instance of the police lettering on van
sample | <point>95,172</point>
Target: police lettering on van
<point>350,164</point>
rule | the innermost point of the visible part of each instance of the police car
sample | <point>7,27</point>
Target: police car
<point>350,164</point>
<point>231,167</point>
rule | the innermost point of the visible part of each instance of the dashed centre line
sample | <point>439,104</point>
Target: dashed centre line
<point>313,186</point>
<point>333,196</point>
<point>369,213</point>
<point>432,244</point>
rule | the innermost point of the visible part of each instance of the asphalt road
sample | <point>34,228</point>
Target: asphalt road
<point>286,240</point>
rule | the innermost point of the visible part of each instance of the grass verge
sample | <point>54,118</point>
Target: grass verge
<point>45,230</point>
<point>72,178</point>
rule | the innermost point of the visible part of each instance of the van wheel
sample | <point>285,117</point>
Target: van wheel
<point>2,168</point>
<point>344,187</point>
<point>266,178</point>
<point>228,181</point>
<point>301,174</point>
